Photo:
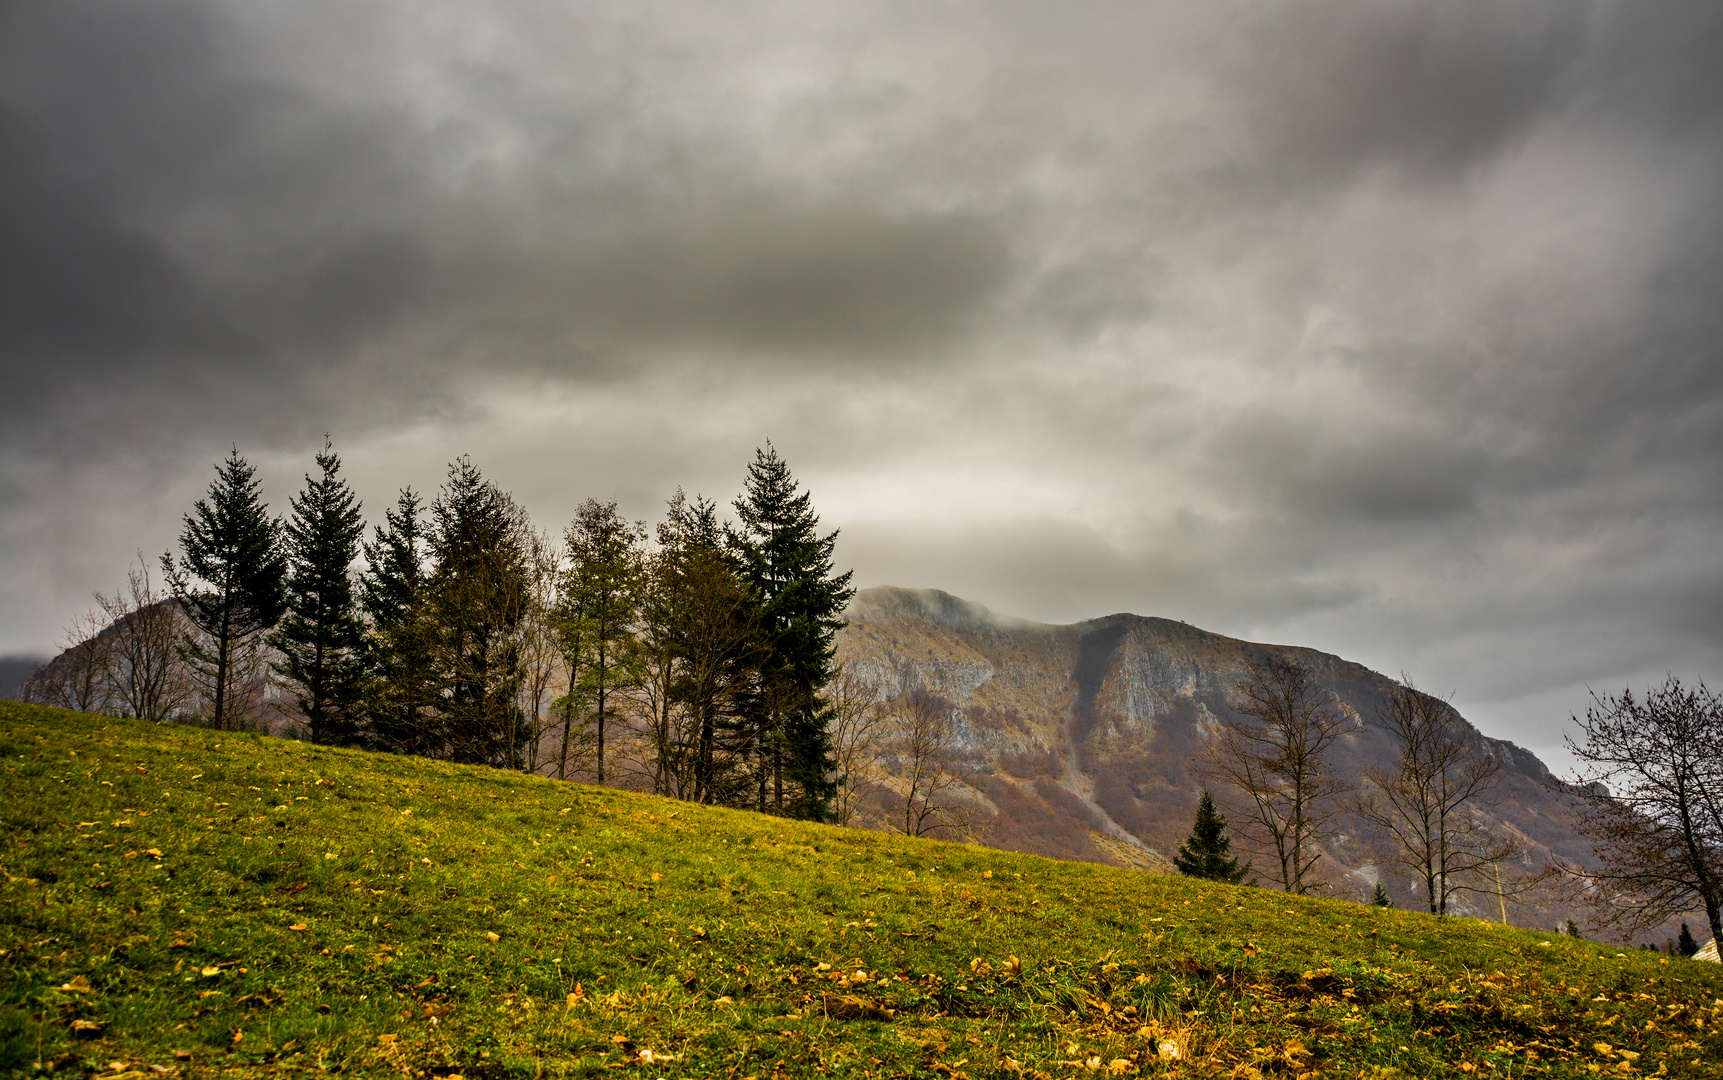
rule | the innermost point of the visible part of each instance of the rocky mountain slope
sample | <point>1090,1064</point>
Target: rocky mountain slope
<point>1079,740</point>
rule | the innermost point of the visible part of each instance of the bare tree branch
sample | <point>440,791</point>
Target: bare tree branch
<point>1652,779</point>
<point>1271,760</point>
<point>1428,806</point>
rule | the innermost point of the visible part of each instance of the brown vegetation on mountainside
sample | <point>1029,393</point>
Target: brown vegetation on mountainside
<point>1079,740</point>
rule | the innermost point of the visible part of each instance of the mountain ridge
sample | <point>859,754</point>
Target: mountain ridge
<point>1092,726</point>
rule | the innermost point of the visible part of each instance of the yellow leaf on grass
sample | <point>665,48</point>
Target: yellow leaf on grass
<point>154,853</point>
<point>211,971</point>
<point>493,936</point>
<point>78,985</point>
<point>297,926</point>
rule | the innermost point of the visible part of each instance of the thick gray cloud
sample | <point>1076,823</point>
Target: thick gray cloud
<point>1386,328</point>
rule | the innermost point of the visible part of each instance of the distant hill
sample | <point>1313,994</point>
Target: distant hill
<point>1080,738</point>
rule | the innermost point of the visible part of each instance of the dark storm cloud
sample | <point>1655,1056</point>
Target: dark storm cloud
<point>1389,328</point>
<point>179,229</point>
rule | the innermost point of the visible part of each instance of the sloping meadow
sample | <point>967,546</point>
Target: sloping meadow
<point>191,902</point>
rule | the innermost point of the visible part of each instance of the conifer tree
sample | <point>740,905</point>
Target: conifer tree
<point>1380,897</point>
<point>478,595</point>
<point>394,591</point>
<point>228,581</point>
<point>788,564</point>
<point>1685,942</point>
<point>320,638</point>
<point>1207,853</point>
<point>598,605</point>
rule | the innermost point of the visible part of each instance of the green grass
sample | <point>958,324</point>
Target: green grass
<point>216,903</point>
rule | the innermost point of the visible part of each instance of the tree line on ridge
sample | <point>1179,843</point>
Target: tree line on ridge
<point>466,634</point>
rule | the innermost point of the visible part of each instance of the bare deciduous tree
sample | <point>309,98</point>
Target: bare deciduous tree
<point>78,678</point>
<point>144,668</point>
<point>857,727</point>
<point>540,643</point>
<point>1272,759</point>
<point>922,730</point>
<point>1428,805</point>
<point>1652,778</point>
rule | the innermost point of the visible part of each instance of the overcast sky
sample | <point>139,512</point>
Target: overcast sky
<point>1392,329</point>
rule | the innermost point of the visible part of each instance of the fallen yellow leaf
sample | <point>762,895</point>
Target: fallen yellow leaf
<point>210,971</point>
<point>493,936</point>
<point>297,926</point>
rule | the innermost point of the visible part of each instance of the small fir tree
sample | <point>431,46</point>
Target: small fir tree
<point>1572,929</point>
<point>400,692</point>
<point>1685,942</point>
<point>1380,897</point>
<point>320,638</point>
<point>1207,853</point>
<point>228,581</point>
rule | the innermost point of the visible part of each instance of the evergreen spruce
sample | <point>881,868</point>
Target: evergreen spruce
<point>1685,942</point>
<point>788,565</point>
<point>394,591</point>
<point>320,638</point>
<point>228,581</point>
<point>1572,929</point>
<point>478,595</point>
<point>1380,897</point>
<point>1207,853</point>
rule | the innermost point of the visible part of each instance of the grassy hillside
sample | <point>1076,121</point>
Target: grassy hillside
<point>203,903</point>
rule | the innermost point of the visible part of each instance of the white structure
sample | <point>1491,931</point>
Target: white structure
<point>1709,952</point>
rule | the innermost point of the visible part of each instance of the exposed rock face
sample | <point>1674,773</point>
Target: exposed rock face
<point>1082,738</point>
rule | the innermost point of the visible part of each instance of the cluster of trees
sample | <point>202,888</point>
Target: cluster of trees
<point>697,661</point>
<point>1651,784</point>
<point>1272,758</point>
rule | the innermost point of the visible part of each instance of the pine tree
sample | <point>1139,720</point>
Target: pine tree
<point>478,596</point>
<point>320,638</point>
<point>1207,853</point>
<point>699,659</point>
<point>228,581</point>
<point>801,601</point>
<point>394,591</point>
<point>1380,897</point>
<point>1572,929</point>
<point>1685,942</point>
